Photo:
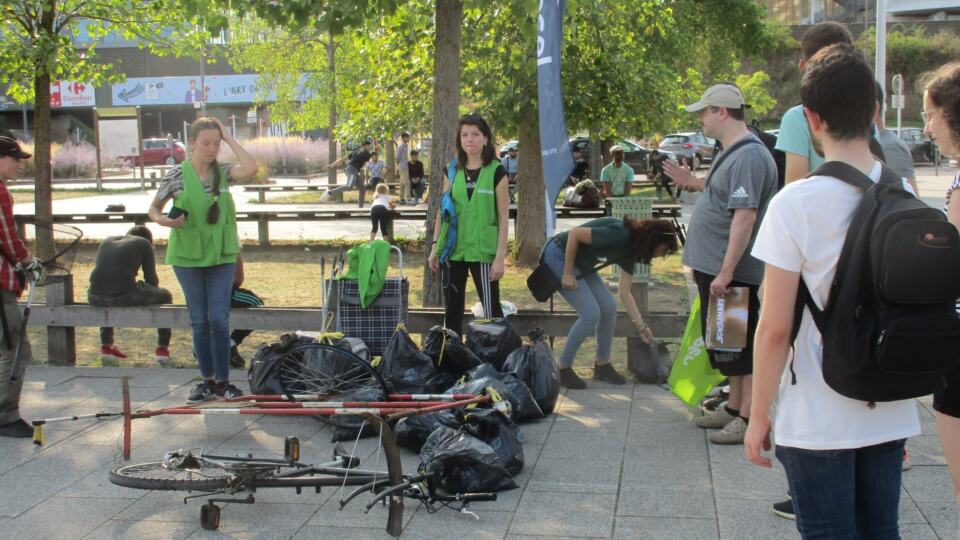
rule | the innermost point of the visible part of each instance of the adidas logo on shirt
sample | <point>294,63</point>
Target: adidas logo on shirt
<point>740,193</point>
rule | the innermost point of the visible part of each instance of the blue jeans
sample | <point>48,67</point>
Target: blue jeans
<point>208,290</point>
<point>596,307</point>
<point>845,494</point>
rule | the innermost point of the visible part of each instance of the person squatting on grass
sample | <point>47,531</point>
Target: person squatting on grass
<point>574,256</point>
<point>204,247</point>
<point>481,198</point>
<point>843,457</point>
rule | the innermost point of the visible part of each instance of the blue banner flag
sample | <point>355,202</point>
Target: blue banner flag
<point>554,144</point>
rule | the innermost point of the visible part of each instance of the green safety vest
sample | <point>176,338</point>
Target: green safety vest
<point>477,225</point>
<point>197,243</point>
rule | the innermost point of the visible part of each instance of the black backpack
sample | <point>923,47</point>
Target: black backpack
<point>890,329</point>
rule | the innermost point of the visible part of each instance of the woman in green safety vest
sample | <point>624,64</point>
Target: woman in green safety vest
<point>481,197</point>
<point>204,247</point>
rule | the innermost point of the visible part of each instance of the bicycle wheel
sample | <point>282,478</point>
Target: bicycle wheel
<point>315,368</point>
<point>155,476</point>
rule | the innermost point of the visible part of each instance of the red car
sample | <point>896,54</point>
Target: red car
<point>158,152</point>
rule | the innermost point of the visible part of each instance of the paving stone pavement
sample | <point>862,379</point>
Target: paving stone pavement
<point>612,462</point>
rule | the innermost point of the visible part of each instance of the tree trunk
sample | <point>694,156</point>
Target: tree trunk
<point>529,228</point>
<point>390,158</point>
<point>595,157</point>
<point>332,119</point>
<point>446,102</point>
<point>43,201</point>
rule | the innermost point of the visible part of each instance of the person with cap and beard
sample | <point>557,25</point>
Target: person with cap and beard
<point>726,217</point>
<point>14,258</point>
<point>616,178</point>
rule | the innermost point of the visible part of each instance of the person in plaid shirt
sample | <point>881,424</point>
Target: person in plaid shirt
<point>14,256</point>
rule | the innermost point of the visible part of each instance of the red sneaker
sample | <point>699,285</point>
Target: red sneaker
<point>111,352</point>
<point>162,356</point>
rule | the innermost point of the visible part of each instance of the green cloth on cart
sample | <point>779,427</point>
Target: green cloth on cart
<point>368,266</point>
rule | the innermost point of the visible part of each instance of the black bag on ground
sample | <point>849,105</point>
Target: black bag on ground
<point>264,372</point>
<point>533,364</point>
<point>890,328</point>
<point>522,404</point>
<point>345,427</point>
<point>495,429</point>
<point>492,340</point>
<point>439,382</point>
<point>448,353</point>
<point>651,364</point>
<point>462,463</point>
<point>411,432</point>
<point>479,386</point>
<point>404,367</point>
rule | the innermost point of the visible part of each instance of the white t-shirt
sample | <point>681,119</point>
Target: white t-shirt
<point>380,200</point>
<point>803,231</point>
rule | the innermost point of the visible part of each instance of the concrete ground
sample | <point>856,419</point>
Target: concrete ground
<point>613,462</point>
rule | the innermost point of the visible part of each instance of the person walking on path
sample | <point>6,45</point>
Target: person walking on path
<point>204,247</point>
<point>724,225</point>
<point>941,117</point>
<point>575,256</point>
<point>511,164</point>
<point>481,197</point>
<point>358,159</point>
<point>15,259</point>
<point>113,282</point>
<point>843,457</point>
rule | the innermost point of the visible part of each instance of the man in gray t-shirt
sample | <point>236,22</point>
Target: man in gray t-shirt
<point>896,154</point>
<point>724,224</point>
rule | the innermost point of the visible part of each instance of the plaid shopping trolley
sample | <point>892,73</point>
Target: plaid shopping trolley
<point>375,324</point>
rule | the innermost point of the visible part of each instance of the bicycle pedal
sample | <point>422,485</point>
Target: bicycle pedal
<point>464,510</point>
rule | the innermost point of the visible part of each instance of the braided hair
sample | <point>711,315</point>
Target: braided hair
<point>213,213</point>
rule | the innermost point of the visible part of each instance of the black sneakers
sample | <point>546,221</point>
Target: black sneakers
<point>203,391</point>
<point>784,509</point>
<point>606,373</point>
<point>569,379</point>
<point>227,390</point>
<point>17,429</point>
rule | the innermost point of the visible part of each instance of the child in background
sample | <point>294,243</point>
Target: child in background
<point>380,213</point>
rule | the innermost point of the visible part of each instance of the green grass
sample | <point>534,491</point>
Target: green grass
<point>26,196</point>
<point>289,275</point>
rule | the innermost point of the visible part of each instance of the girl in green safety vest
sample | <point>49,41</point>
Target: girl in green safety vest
<point>204,248</point>
<point>480,196</point>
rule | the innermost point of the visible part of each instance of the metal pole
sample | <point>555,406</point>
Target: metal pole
<point>26,128</point>
<point>880,71</point>
<point>203,84</point>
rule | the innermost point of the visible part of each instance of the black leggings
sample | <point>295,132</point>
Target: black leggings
<point>455,290</point>
<point>380,217</point>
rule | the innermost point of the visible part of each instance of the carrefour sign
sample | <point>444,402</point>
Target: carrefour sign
<point>71,94</point>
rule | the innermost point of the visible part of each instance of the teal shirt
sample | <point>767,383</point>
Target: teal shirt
<point>610,243</point>
<point>795,138</point>
<point>617,177</point>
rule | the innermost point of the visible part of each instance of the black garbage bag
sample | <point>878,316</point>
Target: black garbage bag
<point>264,372</point>
<point>492,340</point>
<point>479,386</point>
<point>411,432</point>
<point>523,406</point>
<point>345,427</point>
<point>439,382</point>
<point>444,347</point>
<point>462,463</point>
<point>495,429</point>
<point>534,365</point>
<point>651,364</point>
<point>404,367</point>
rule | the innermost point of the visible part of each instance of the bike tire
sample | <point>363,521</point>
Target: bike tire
<point>148,476</point>
<point>317,368</point>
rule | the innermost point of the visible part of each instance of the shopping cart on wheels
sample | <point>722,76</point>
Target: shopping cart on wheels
<point>376,323</point>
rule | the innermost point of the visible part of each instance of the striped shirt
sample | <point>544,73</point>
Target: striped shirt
<point>172,183</point>
<point>953,186</point>
<point>11,246</point>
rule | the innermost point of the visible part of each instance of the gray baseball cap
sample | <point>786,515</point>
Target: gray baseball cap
<point>719,95</point>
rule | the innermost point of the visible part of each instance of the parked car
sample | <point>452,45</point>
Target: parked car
<point>506,148</point>
<point>158,152</point>
<point>634,155</point>
<point>921,148</point>
<point>690,145</point>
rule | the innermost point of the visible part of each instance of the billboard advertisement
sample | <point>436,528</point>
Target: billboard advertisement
<point>71,94</point>
<point>186,90</point>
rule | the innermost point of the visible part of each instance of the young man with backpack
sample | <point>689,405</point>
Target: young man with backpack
<point>725,220</point>
<point>843,413</point>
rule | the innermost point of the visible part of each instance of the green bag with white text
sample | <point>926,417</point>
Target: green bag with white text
<point>692,376</point>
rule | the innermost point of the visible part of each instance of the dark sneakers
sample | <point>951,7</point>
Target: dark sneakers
<point>227,390</point>
<point>569,379</point>
<point>203,391</point>
<point>606,373</point>
<point>17,429</point>
<point>784,509</point>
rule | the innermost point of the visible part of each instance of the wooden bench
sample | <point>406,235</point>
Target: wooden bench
<point>61,316</point>
<point>262,189</point>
